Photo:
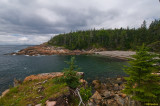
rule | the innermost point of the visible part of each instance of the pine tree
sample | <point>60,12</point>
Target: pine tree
<point>70,74</point>
<point>142,85</point>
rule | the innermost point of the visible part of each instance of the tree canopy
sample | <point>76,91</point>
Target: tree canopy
<point>112,39</point>
<point>142,84</point>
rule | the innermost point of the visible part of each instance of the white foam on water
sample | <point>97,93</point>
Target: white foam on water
<point>16,51</point>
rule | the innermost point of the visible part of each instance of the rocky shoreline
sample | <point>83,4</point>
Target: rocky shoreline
<point>108,93</point>
<point>44,49</point>
<point>44,76</point>
<point>38,82</point>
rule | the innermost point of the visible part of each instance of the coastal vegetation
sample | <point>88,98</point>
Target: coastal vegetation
<point>142,84</point>
<point>33,92</point>
<point>111,39</point>
<point>70,76</point>
<point>78,89</point>
<point>85,93</point>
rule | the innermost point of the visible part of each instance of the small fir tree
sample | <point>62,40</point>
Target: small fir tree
<point>70,74</point>
<point>142,85</point>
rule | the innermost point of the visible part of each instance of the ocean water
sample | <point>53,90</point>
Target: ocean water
<point>20,66</point>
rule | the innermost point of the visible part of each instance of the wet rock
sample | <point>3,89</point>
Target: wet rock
<point>41,97</point>
<point>119,100</point>
<point>5,92</point>
<point>121,87</point>
<point>40,89</point>
<point>110,97</point>
<point>113,104</point>
<point>119,79</point>
<point>38,105</point>
<point>123,95</point>
<point>97,85</point>
<point>96,96</point>
<point>44,81</point>
<point>62,101</point>
<point>16,82</point>
<point>81,74</point>
<point>84,82</point>
<point>39,83</point>
<point>109,101</point>
<point>119,83</point>
<point>91,104</point>
<point>116,87</point>
<point>50,103</point>
<point>107,94</point>
<point>126,100</point>
<point>96,82</point>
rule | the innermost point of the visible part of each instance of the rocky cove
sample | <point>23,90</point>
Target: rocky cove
<point>108,93</point>
<point>45,49</point>
<point>21,66</point>
<point>36,83</point>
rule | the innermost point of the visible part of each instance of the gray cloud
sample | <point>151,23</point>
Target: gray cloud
<point>35,20</point>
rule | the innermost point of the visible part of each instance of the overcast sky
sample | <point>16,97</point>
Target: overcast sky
<point>35,21</point>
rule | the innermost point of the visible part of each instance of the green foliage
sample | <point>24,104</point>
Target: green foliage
<point>121,39</point>
<point>85,93</point>
<point>155,46</point>
<point>13,90</point>
<point>141,83</point>
<point>27,93</point>
<point>70,75</point>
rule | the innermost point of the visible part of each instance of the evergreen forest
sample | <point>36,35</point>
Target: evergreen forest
<point>111,39</point>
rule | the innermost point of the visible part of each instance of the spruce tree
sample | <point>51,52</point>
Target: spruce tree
<point>70,74</point>
<point>142,84</point>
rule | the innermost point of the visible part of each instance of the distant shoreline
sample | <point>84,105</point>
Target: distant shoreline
<point>44,49</point>
<point>117,54</point>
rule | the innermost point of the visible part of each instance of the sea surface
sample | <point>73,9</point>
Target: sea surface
<point>20,66</point>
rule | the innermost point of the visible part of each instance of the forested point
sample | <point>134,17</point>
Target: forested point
<point>111,39</point>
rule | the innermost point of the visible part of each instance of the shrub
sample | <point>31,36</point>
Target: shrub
<point>70,75</point>
<point>85,93</point>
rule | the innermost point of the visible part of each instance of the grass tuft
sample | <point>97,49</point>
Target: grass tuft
<point>33,92</point>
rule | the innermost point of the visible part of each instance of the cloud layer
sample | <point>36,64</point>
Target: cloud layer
<point>34,21</point>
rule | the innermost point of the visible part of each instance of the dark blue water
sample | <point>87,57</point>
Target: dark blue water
<point>95,67</point>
